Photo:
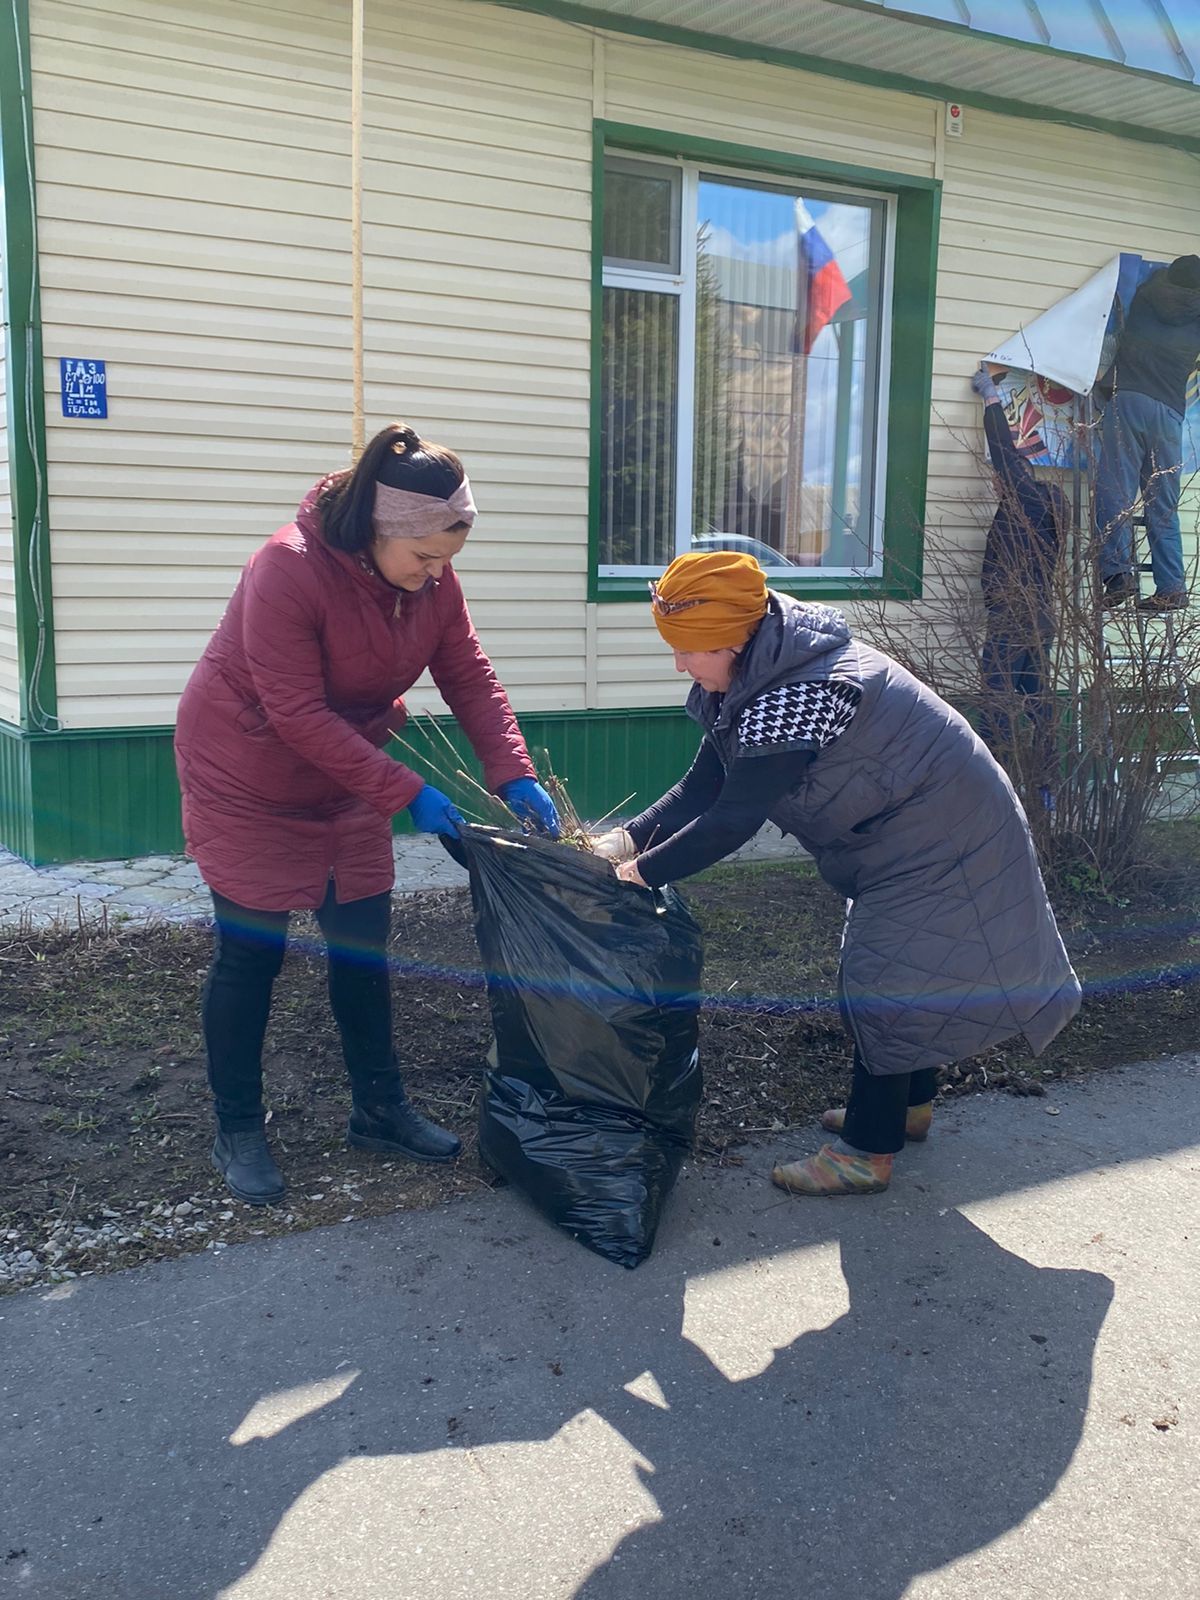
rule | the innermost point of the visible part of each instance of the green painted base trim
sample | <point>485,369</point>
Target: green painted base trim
<point>88,796</point>
<point>111,793</point>
<point>604,757</point>
<point>16,798</point>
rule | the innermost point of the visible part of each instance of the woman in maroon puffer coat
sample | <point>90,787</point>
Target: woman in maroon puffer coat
<point>288,797</point>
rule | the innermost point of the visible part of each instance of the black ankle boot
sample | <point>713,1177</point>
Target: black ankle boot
<point>395,1129</point>
<point>1120,587</point>
<point>248,1167</point>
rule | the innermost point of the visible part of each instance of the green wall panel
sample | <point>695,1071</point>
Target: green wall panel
<point>16,805</point>
<point>602,756</point>
<point>113,794</point>
<point>103,796</point>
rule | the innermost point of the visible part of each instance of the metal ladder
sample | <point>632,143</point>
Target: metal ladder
<point>1175,677</point>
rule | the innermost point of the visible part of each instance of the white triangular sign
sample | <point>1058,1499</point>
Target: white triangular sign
<point>1064,343</point>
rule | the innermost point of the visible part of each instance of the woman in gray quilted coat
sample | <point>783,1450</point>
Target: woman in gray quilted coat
<point>950,945</point>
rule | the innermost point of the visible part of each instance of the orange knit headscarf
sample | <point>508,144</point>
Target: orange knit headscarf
<point>709,600</point>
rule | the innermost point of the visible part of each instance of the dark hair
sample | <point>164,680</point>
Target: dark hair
<point>1184,272</point>
<point>397,456</point>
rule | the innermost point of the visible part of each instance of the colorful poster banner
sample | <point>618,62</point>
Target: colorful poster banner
<point>1054,362</point>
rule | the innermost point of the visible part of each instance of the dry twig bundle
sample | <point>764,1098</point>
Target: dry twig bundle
<point>442,760</point>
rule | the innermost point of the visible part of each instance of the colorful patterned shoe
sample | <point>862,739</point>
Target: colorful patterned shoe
<point>830,1172</point>
<point>916,1123</point>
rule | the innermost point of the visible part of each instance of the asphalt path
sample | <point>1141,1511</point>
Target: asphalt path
<point>983,1383</point>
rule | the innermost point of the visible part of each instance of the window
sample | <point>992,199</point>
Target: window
<point>742,370</point>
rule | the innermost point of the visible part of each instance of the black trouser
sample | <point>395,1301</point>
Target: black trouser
<point>248,950</point>
<point>878,1103</point>
<point>1015,678</point>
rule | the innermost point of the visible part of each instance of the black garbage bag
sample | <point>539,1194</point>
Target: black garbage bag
<point>593,985</point>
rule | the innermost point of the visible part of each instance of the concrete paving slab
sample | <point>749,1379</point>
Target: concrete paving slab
<point>170,889</point>
<point>980,1384</point>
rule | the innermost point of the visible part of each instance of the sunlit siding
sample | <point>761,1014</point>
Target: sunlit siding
<point>194,217</point>
<point>194,225</point>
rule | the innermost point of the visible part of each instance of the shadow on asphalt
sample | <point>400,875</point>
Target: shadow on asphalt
<point>935,1412</point>
<point>932,1417</point>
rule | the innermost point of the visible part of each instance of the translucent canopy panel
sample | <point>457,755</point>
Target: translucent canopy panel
<point>1153,35</point>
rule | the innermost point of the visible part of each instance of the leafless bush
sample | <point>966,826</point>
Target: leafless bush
<point>1095,723</point>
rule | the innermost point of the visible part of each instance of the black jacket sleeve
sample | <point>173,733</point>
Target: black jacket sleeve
<point>692,795</point>
<point>1015,473</point>
<point>739,809</point>
<point>1024,537</point>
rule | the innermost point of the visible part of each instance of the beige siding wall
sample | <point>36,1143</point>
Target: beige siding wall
<point>9,701</point>
<point>193,198</point>
<point>194,225</point>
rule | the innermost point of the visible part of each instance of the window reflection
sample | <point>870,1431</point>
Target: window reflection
<point>740,369</point>
<point>782,350</point>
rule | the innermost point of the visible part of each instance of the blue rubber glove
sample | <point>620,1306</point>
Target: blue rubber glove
<point>435,812</point>
<point>983,386</point>
<point>526,799</point>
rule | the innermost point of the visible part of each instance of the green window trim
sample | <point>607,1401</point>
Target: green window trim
<point>910,390</point>
<point>26,405</point>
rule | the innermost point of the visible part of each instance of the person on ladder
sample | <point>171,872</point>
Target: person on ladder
<point>1141,437</point>
<point>1024,544</point>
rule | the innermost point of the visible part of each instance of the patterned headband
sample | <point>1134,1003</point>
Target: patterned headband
<point>401,514</point>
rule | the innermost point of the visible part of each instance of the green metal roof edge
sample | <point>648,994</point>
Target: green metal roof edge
<point>692,39</point>
<point>969,31</point>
